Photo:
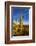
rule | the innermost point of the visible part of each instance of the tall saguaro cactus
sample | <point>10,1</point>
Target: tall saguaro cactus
<point>21,21</point>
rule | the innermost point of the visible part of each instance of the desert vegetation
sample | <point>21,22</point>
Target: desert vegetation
<point>20,29</point>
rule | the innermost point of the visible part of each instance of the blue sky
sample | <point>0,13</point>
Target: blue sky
<point>17,11</point>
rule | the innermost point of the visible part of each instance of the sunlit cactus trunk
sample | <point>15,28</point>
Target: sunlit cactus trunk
<point>21,22</point>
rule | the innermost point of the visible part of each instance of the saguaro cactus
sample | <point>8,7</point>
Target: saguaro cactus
<point>21,22</point>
